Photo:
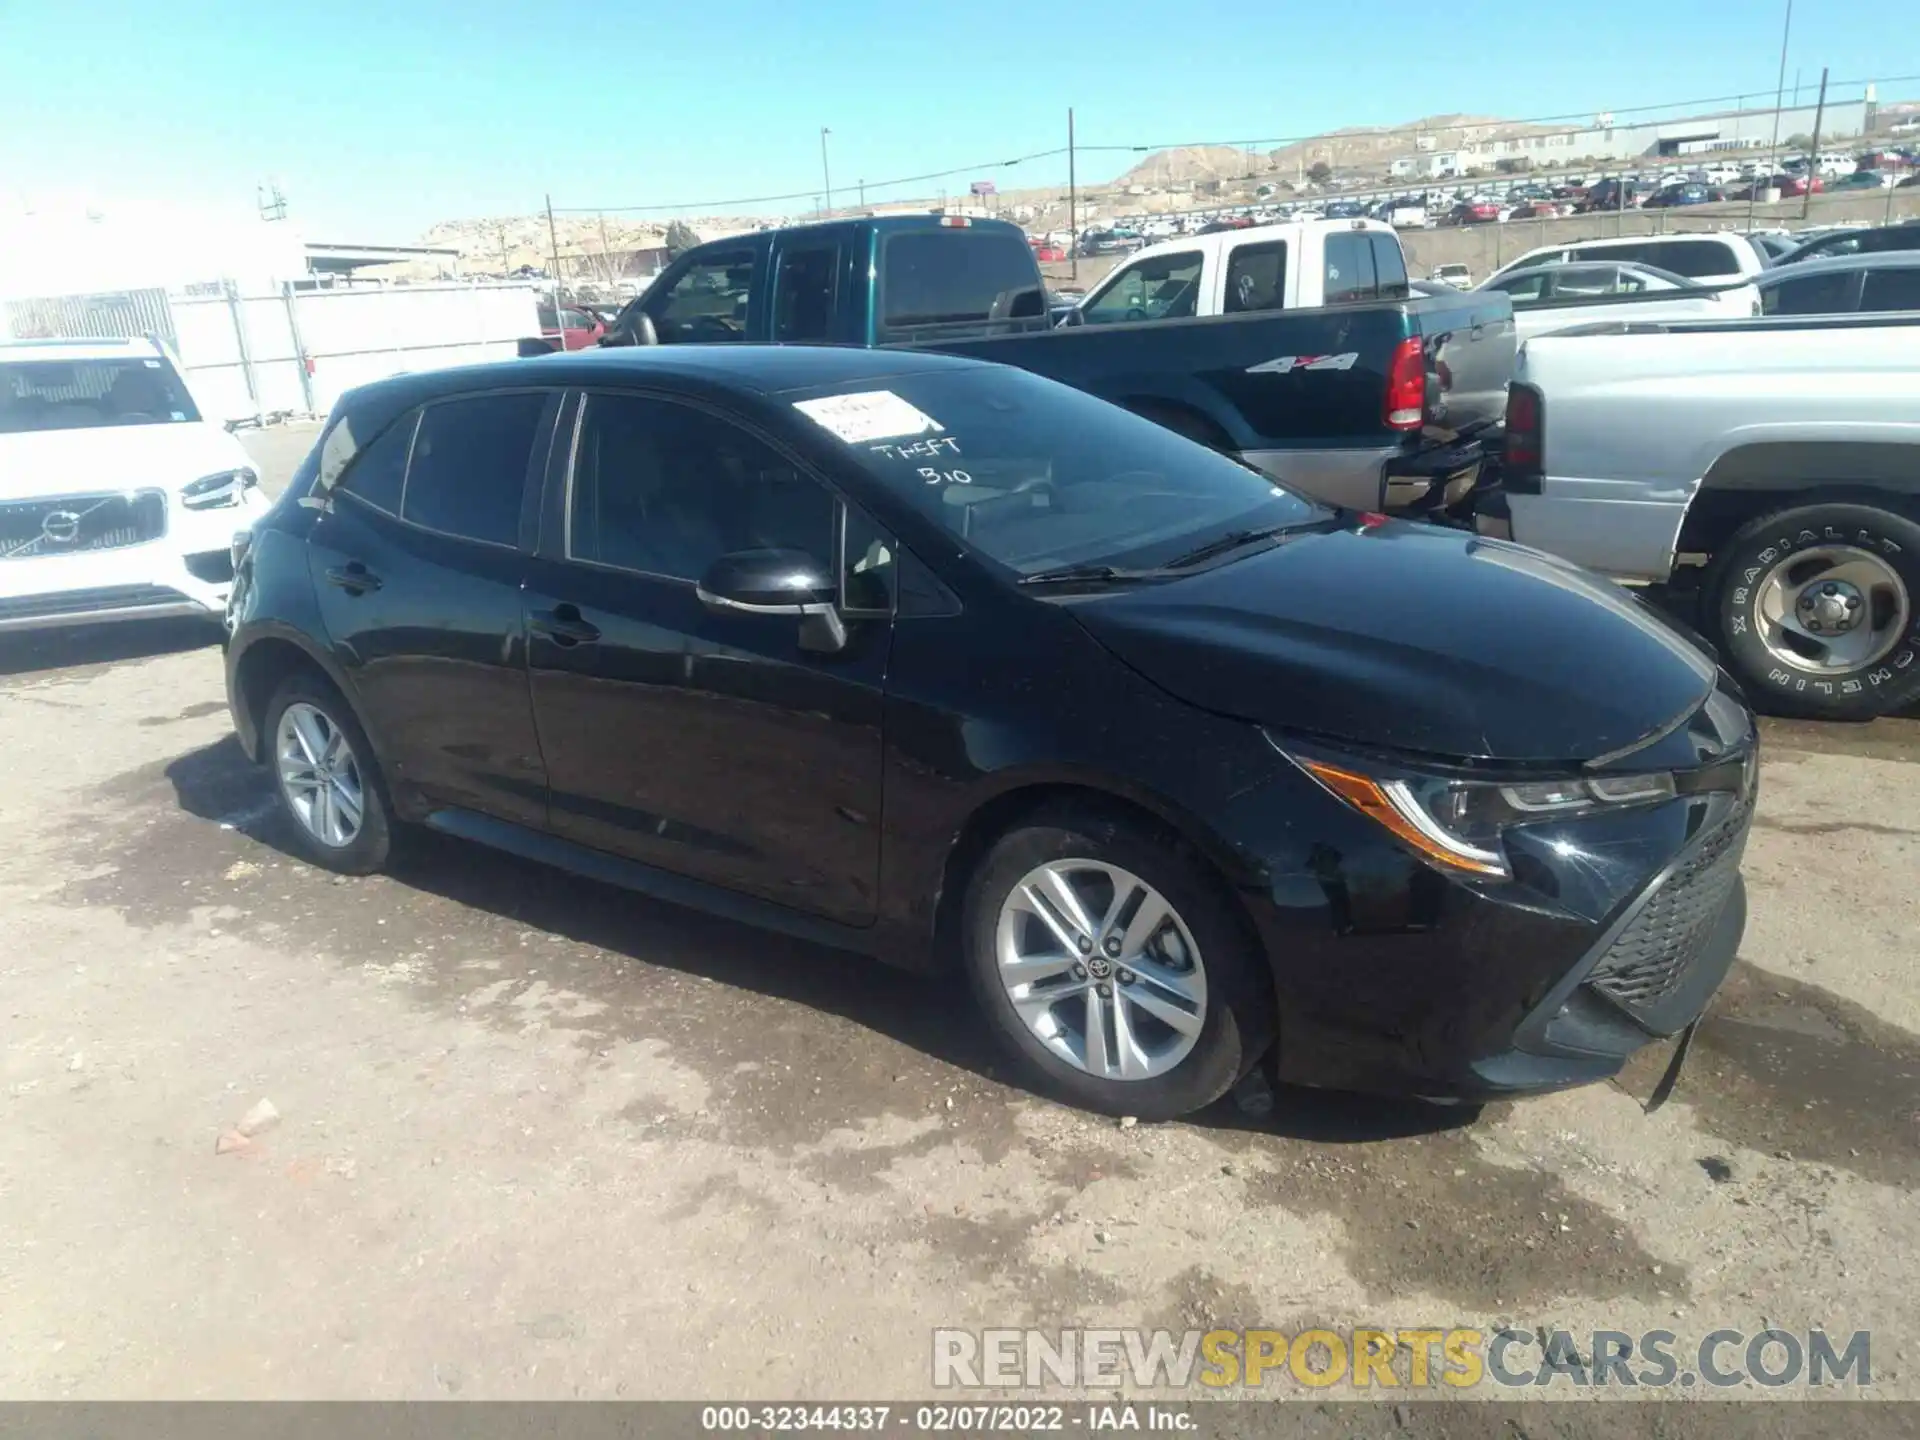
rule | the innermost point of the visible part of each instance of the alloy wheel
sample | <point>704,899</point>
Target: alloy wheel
<point>320,775</point>
<point>1831,609</point>
<point>1101,969</point>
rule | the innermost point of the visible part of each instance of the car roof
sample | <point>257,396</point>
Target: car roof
<point>78,349</point>
<point>1827,264</point>
<point>1247,234</point>
<point>761,369</point>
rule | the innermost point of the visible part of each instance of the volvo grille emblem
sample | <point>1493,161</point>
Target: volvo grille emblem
<point>60,527</point>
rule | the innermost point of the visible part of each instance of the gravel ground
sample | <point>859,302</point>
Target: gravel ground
<point>543,1139</point>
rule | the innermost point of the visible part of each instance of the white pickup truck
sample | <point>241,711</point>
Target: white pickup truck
<point>1295,265</point>
<point>1772,464</point>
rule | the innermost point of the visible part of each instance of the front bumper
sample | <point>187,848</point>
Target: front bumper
<point>186,571</point>
<point>1391,977</point>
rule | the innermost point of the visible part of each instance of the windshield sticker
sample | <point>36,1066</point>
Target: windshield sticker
<point>1287,364</point>
<point>867,416</point>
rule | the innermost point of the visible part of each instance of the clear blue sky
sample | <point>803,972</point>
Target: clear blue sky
<point>381,118</point>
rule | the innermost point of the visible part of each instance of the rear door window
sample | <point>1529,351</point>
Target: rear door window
<point>958,275</point>
<point>468,474</point>
<point>806,289</point>
<point>1691,258</point>
<point>709,301</point>
<point>1256,278</point>
<point>1389,267</point>
<point>380,470</point>
<point>1349,268</point>
<point>1161,287</point>
<point>1892,289</point>
<point>1812,295</point>
<point>1530,286</point>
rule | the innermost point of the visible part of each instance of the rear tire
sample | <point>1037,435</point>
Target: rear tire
<point>1198,966</point>
<point>326,778</point>
<point>1815,610</point>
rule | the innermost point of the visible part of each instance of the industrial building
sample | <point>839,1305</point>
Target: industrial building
<point>1609,140</point>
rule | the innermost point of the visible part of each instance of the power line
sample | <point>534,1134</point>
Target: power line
<point>710,206</point>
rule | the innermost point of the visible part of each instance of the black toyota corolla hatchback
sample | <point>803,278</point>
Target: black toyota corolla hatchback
<point>949,663</point>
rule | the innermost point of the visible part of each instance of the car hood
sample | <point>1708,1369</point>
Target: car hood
<point>113,457</point>
<point>1413,638</point>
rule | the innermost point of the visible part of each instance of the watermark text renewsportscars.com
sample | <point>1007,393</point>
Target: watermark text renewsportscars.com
<point>1417,1359</point>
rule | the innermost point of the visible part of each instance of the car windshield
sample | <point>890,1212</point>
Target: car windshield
<point>86,394</point>
<point>1034,476</point>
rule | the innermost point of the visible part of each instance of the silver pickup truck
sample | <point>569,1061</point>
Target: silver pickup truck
<point>1771,464</point>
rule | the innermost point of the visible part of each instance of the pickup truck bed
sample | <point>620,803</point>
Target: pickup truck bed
<point>1302,394</point>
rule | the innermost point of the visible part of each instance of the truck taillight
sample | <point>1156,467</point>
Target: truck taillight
<point>1522,459</point>
<point>1407,386</point>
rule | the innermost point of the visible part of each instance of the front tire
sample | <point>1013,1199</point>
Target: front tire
<point>1815,610</point>
<point>326,778</point>
<point>1110,963</point>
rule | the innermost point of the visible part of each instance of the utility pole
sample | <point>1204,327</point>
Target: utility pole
<point>504,267</point>
<point>1813,150</point>
<point>606,251</point>
<point>826,180</point>
<point>1773,152</point>
<point>863,193</point>
<point>1073,204</point>
<point>1786,33</point>
<point>553,239</point>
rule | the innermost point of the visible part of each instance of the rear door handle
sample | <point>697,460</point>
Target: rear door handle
<point>354,578</point>
<point>564,625</point>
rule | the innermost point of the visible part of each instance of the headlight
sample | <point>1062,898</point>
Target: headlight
<point>218,492</point>
<point>1457,824</point>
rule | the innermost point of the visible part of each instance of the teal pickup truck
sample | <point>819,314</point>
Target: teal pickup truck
<point>1383,401</point>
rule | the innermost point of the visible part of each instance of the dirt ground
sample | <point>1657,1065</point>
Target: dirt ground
<point>544,1139</point>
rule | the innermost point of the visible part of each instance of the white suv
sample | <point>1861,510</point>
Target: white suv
<point>118,501</point>
<point>1707,257</point>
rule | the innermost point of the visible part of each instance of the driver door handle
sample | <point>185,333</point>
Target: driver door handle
<point>564,625</point>
<point>354,578</point>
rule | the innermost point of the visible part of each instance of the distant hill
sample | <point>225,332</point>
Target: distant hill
<point>1350,148</point>
<point>1186,164</point>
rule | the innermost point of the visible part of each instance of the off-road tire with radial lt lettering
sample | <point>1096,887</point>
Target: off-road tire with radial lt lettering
<point>1779,562</point>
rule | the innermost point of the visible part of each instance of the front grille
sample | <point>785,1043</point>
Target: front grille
<point>100,601</point>
<point>79,524</point>
<point>1648,960</point>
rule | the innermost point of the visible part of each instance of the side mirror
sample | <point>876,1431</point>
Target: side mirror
<point>777,582</point>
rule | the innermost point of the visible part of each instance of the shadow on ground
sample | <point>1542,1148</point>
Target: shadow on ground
<point>34,652</point>
<point>847,1068</point>
<point>931,1015</point>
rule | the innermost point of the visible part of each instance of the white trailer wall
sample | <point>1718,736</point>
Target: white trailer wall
<point>298,351</point>
<point>256,351</point>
